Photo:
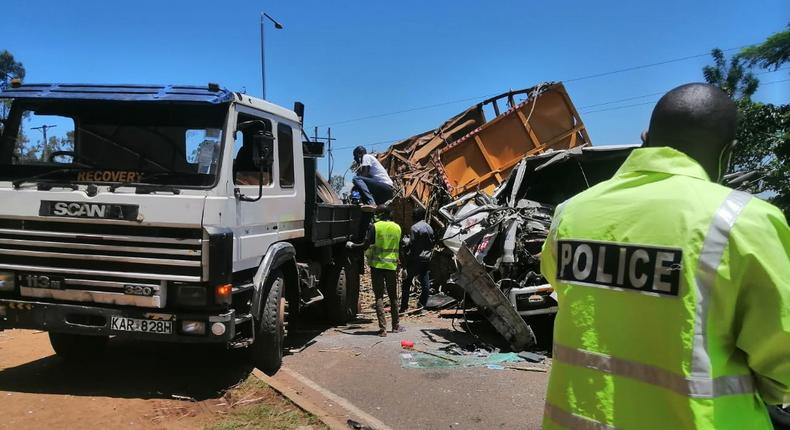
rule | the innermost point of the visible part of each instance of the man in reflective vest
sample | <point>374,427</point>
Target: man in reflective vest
<point>674,291</point>
<point>383,239</point>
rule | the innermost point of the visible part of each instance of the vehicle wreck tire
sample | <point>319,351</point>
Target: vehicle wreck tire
<point>337,295</point>
<point>77,346</point>
<point>267,350</point>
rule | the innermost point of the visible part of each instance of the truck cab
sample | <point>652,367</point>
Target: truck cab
<point>173,213</point>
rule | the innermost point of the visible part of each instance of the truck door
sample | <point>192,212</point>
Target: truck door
<point>279,213</point>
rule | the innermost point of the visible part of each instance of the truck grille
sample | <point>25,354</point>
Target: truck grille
<point>96,262</point>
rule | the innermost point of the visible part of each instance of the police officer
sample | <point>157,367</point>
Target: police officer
<point>383,242</point>
<point>674,291</point>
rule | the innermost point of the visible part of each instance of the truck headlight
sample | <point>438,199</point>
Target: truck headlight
<point>7,281</point>
<point>191,295</point>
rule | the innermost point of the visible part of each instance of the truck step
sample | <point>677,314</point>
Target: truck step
<point>241,288</point>
<point>243,318</point>
<point>314,296</point>
<point>241,343</point>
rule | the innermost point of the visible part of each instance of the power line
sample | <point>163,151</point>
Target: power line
<point>662,92</point>
<point>382,142</point>
<point>576,79</point>
<point>645,66</point>
<point>380,115</point>
<point>653,94</point>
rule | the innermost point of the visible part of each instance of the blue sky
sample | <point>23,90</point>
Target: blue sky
<point>351,59</point>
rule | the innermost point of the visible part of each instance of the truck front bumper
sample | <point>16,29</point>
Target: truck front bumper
<point>97,321</point>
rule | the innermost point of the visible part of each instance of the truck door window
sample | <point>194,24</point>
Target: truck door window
<point>244,170</point>
<point>285,150</point>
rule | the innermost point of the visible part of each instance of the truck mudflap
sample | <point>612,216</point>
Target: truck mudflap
<point>143,324</point>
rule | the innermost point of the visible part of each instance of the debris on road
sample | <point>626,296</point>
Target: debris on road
<point>407,344</point>
<point>439,301</point>
<point>423,359</point>
<point>532,357</point>
<point>492,186</point>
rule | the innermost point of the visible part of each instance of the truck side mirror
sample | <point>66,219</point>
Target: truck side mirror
<point>263,149</point>
<point>299,110</point>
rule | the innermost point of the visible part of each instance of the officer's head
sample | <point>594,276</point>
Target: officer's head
<point>359,151</point>
<point>698,120</point>
<point>383,212</point>
<point>418,213</point>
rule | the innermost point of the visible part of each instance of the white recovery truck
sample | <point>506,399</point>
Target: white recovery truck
<point>172,213</point>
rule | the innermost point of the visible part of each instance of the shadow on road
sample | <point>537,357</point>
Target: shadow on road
<point>133,370</point>
<point>147,370</point>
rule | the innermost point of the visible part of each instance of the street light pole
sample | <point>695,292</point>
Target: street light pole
<point>278,26</point>
<point>44,128</point>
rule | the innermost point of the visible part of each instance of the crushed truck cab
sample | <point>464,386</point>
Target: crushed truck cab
<point>174,213</point>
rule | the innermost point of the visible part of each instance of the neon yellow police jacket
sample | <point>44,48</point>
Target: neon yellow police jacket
<point>383,253</point>
<point>674,302</point>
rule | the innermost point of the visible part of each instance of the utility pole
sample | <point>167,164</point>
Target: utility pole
<point>278,26</point>
<point>44,128</point>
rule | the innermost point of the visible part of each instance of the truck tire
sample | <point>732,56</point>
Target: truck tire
<point>77,346</point>
<point>336,283</point>
<point>267,350</point>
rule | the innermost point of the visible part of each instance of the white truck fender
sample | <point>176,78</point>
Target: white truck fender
<point>278,255</point>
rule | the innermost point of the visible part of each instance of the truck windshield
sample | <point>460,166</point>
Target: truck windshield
<point>111,142</point>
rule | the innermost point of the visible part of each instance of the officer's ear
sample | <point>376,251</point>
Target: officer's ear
<point>644,138</point>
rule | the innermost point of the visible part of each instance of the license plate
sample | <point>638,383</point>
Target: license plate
<point>141,325</point>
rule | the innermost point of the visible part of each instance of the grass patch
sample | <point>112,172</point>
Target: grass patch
<point>254,405</point>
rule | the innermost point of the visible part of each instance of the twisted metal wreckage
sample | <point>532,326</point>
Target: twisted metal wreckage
<point>490,188</point>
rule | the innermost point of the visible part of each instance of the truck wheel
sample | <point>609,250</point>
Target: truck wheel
<point>76,346</point>
<point>267,350</point>
<point>337,295</point>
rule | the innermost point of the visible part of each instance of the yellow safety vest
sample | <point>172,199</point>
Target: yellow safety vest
<point>383,254</point>
<point>674,302</point>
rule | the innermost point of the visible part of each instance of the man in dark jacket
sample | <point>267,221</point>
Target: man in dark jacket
<point>418,256</point>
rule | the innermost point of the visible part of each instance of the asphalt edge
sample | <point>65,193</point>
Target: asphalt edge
<point>279,382</point>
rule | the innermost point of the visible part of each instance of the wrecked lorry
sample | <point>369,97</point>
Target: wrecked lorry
<point>503,234</point>
<point>468,152</point>
<point>491,188</point>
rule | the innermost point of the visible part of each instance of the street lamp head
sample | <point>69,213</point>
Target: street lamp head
<point>277,25</point>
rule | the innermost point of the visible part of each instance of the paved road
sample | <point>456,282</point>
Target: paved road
<point>133,384</point>
<point>365,369</point>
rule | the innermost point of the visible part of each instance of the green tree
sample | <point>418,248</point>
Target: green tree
<point>9,69</point>
<point>731,76</point>
<point>770,54</point>
<point>763,131</point>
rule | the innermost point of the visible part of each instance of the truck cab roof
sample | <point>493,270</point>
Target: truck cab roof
<point>211,93</point>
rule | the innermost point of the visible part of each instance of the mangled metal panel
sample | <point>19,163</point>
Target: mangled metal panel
<point>552,178</point>
<point>482,159</point>
<point>496,307</point>
<point>409,162</point>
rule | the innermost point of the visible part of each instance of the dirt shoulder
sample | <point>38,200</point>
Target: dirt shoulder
<point>135,385</point>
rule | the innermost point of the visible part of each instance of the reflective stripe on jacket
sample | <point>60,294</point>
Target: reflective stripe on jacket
<point>383,253</point>
<point>674,299</point>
